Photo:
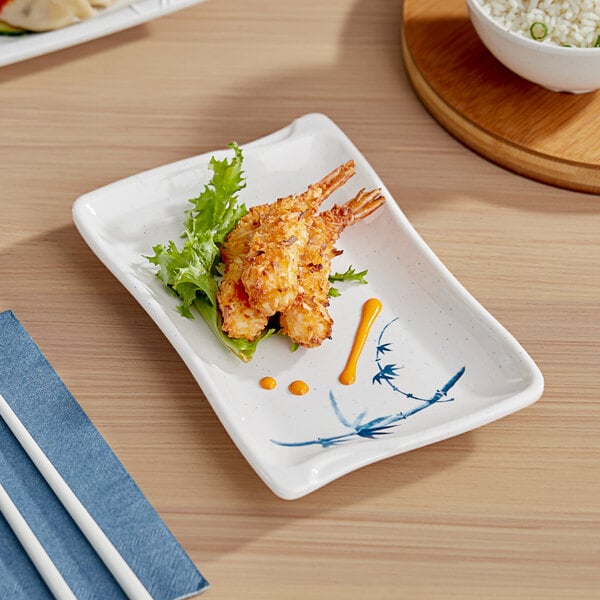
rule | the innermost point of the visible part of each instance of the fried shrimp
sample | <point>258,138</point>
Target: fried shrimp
<point>240,319</point>
<point>307,320</point>
<point>278,260</point>
<point>277,244</point>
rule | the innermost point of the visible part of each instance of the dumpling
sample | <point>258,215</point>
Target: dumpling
<point>101,3</point>
<point>44,15</point>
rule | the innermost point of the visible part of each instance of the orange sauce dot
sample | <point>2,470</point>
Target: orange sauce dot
<point>268,383</point>
<point>370,312</point>
<point>298,388</point>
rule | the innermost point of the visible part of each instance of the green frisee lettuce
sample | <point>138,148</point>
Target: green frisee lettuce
<point>348,275</point>
<point>191,271</point>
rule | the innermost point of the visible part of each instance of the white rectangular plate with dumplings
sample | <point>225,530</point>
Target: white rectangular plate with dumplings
<point>122,15</point>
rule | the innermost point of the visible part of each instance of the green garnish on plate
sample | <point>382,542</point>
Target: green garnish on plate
<point>349,275</point>
<point>191,271</point>
<point>9,30</point>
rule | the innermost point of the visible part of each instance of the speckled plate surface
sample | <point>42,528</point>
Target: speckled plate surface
<point>122,15</point>
<point>435,364</point>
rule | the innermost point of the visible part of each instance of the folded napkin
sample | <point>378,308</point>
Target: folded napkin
<point>127,524</point>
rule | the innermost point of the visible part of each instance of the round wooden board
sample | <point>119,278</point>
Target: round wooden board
<point>548,136</point>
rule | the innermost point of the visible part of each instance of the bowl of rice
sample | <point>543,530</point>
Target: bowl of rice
<point>555,44</point>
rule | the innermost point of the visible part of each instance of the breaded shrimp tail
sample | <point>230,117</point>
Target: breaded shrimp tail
<point>307,320</point>
<point>270,274</point>
<point>240,319</point>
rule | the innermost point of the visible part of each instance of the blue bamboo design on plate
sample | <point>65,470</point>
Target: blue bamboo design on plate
<point>379,426</point>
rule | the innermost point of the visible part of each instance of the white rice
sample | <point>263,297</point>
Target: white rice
<point>568,22</point>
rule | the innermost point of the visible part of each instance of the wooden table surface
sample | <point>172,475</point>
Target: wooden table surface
<point>510,510</point>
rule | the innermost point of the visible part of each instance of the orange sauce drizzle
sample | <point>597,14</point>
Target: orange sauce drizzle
<point>298,388</point>
<point>370,312</point>
<point>268,383</point>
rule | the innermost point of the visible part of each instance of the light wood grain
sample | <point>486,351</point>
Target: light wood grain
<point>549,136</point>
<point>509,511</point>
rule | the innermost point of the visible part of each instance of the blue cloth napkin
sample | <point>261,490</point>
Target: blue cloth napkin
<point>57,423</point>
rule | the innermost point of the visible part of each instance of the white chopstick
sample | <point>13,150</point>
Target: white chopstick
<point>115,563</point>
<point>39,557</point>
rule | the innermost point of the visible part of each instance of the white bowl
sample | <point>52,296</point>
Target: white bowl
<point>557,68</point>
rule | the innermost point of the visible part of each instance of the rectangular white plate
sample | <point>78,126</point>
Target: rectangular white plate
<point>436,364</point>
<point>121,15</point>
